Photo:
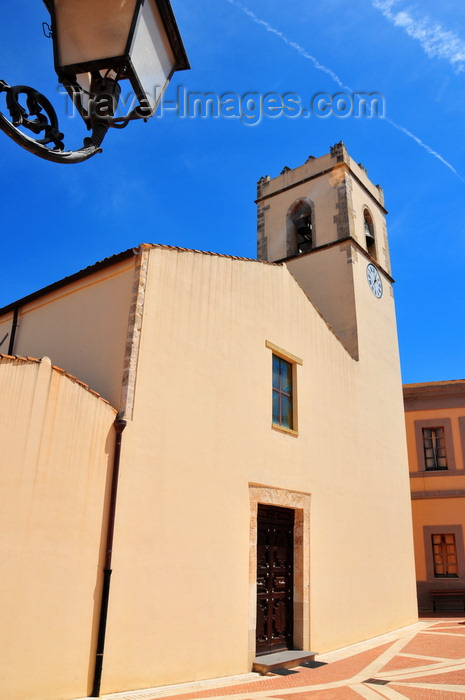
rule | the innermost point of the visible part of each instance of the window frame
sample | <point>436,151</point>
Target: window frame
<point>438,446</point>
<point>457,531</point>
<point>444,554</point>
<point>294,361</point>
<point>462,436</point>
<point>444,423</point>
<point>283,393</point>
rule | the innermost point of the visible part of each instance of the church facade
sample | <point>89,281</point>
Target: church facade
<point>262,495</point>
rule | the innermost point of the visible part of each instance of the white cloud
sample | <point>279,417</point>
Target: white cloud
<point>436,41</point>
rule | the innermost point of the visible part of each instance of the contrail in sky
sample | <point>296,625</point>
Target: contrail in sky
<point>436,41</point>
<point>335,77</point>
<point>292,44</point>
<point>423,145</point>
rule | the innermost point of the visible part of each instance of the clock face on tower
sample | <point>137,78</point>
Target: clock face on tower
<point>374,281</point>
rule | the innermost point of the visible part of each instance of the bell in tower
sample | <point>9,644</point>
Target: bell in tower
<point>304,234</point>
<point>301,225</point>
<point>303,229</point>
<point>369,234</point>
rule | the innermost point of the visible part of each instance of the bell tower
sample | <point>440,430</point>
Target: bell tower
<point>326,221</point>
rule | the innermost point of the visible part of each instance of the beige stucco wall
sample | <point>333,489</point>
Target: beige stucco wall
<point>202,435</point>
<point>57,443</point>
<point>327,278</point>
<point>82,327</point>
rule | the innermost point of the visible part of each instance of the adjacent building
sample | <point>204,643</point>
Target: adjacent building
<point>254,428</point>
<point>435,420</point>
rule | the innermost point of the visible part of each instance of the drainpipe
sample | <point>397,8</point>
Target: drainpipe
<point>120,425</point>
<point>14,326</point>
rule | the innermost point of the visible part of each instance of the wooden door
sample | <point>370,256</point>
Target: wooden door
<point>275,549</point>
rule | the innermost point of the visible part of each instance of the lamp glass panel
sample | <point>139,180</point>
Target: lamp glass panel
<point>151,53</point>
<point>90,30</point>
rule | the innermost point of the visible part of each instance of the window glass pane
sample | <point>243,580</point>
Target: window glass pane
<point>276,370</point>
<point>282,393</point>
<point>276,406</point>
<point>286,412</point>
<point>286,377</point>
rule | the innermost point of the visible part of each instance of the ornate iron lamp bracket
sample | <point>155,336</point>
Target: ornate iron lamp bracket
<point>39,116</point>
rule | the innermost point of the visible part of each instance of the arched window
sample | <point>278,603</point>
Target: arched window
<point>369,233</point>
<point>300,228</point>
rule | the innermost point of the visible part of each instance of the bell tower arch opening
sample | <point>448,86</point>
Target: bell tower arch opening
<point>369,233</point>
<point>300,227</point>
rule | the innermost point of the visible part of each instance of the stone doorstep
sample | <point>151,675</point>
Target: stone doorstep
<point>281,659</point>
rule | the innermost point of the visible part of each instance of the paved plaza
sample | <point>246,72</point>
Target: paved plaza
<point>422,662</point>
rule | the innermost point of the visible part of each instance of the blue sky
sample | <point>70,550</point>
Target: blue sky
<point>191,182</point>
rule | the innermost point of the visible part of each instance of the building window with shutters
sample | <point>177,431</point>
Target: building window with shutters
<point>434,447</point>
<point>444,552</point>
<point>444,556</point>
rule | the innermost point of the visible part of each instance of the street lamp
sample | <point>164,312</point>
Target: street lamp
<point>99,46</point>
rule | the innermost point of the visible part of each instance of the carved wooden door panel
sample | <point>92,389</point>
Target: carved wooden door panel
<point>275,548</point>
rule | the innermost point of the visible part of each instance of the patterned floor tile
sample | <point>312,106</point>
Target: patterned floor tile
<point>324,694</point>
<point>440,640</point>
<point>426,693</point>
<point>399,663</point>
<point>448,678</point>
<point>447,629</point>
<point>440,645</point>
<point>338,670</point>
